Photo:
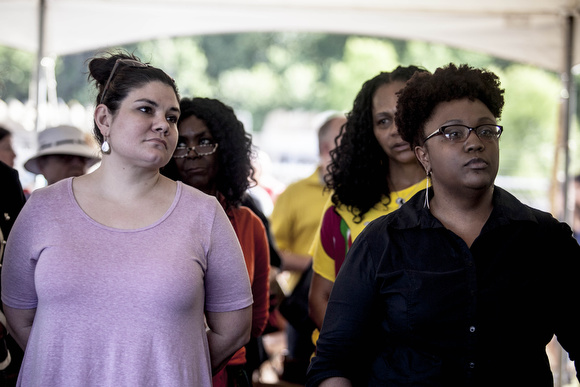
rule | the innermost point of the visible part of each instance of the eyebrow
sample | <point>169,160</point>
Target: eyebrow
<point>205,133</point>
<point>153,103</point>
<point>389,112</point>
<point>480,121</point>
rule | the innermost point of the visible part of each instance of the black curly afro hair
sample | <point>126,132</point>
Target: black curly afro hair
<point>235,147</point>
<point>425,91</point>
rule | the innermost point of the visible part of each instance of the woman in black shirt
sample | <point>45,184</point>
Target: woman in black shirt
<point>464,285</point>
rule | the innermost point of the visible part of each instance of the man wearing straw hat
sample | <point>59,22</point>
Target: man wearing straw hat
<point>63,151</point>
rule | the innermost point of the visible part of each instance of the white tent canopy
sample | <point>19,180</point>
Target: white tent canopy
<point>537,32</point>
<point>528,31</point>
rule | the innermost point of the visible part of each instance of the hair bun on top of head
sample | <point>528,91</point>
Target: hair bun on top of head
<point>101,67</point>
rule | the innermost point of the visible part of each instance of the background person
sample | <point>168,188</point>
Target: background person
<point>108,277</point>
<point>7,154</point>
<point>373,171</point>
<point>11,202</point>
<point>464,285</point>
<point>295,219</point>
<point>576,221</point>
<point>63,151</point>
<point>213,154</point>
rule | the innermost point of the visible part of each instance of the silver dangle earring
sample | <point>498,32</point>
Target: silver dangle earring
<point>426,205</point>
<point>105,147</point>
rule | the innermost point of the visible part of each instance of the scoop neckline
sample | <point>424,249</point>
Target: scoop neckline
<point>128,230</point>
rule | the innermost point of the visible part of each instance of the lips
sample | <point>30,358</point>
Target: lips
<point>401,146</point>
<point>159,141</point>
<point>194,171</point>
<point>477,163</point>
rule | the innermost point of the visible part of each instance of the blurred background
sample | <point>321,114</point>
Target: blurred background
<point>281,63</point>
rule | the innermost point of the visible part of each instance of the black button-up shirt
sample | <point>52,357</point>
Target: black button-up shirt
<point>413,305</point>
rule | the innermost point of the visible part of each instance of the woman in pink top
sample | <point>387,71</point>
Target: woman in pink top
<point>122,276</point>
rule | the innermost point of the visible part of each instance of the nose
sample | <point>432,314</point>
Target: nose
<point>393,131</point>
<point>161,125</point>
<point>473,142</point>
<point>162,128</point>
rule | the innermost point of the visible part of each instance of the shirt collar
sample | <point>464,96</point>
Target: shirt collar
<point>506,209</point>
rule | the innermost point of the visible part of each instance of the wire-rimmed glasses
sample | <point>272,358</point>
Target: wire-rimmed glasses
<point>459,132</point>
<point>182,152</point>
<point>126,62</point>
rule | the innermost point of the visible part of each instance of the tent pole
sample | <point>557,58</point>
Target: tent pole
<point>568,111</point>
<point>568,107</point>
<point>41,90</point>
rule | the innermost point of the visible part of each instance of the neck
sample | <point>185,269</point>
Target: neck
<point>126,183</point>
<point>464,214</point>
<point>403,176</point>
<point>322,172</point>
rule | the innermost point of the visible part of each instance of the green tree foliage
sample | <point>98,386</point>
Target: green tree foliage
<point>363,58</point>
<point>16,69</point>
<point>260,72</point>
<point>184,60</point>
<point>531,120</point>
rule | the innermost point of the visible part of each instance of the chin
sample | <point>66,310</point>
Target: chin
<point>406,157</point>
<point>480,184</point>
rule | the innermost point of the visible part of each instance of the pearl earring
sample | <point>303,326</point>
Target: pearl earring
<point>105,147</point>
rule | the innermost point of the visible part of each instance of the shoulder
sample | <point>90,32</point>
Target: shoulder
<point>8,174</point>
<point>247,216</point>
<point>53,195</point>
<point>197,209</point>
<point>311,182</point>
<point>513,209</point>
<point>290,192</point>
<point>192,196</point>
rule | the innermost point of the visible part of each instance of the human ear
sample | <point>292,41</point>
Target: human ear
<point>103,118</point>
<point>423,156</point>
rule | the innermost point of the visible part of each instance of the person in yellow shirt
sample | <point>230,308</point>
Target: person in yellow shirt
<point>372,173</point>
<point>294,222</point>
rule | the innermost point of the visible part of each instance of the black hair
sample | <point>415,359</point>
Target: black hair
<point>125,79</point>
<point>235,172</point>
<point>359,166</point>
<point>425,91</point>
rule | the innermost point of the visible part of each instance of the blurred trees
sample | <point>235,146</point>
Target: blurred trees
<point>15,73</point>
<point>259,72</point>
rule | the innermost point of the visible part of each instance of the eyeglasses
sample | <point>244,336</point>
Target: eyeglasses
<point>182,152</point>
<point>126,62</point>
<point>459,132</point>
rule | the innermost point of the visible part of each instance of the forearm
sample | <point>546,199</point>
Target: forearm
<point>19,323</point>
<point>295,262</point>
<point>221,350</point>
<point>318,296</point>
<point>227,332</point>
<point>261,306</point>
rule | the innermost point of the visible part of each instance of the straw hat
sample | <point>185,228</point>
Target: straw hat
<point>62,140</point>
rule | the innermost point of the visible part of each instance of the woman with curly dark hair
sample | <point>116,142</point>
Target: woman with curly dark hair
<point>213,154</point>
<point>463,289</point>
<point>373,172</point>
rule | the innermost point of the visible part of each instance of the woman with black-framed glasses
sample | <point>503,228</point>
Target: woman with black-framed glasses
<point>214,154</point>
<point>123,277</point>
<point>464,285</point>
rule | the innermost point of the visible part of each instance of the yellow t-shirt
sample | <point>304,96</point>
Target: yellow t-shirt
<point>295,217</point>
<point>324,263</point>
